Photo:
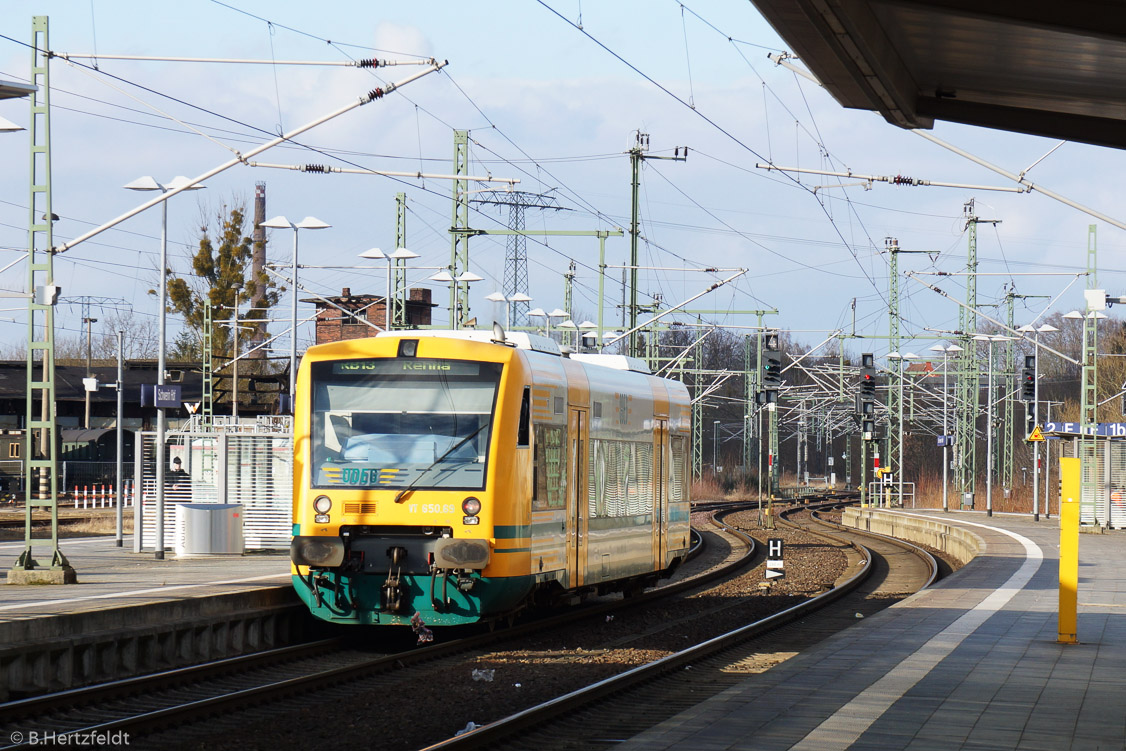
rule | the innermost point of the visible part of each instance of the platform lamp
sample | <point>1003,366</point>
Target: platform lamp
<point>538,313</point>
<point>466,277</point>
<point>509,302</point>
<point>14,90</point>
<point>147,184</point>
<point>571,328</point>
<point>557,313</point>
<point>400,254</point>
<point>280,222</point>
<point>588,336</point>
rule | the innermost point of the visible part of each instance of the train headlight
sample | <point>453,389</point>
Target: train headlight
<point>322,504</point>
<point>321,552</point>
<point>471,506</point>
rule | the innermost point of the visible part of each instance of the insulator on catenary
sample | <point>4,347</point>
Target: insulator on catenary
<point>314,168</point>
<point>904,180</point>
<point>375,94</point>
<point>370,62</point>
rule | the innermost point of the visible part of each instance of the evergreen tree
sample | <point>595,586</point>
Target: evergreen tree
<point>221,277</point>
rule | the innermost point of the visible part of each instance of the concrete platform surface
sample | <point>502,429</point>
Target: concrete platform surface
<point>972,663</point>
<point>130,614</point>
<point>110,577</point>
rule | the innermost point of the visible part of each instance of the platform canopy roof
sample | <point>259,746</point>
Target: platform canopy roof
<point>1055,69</point>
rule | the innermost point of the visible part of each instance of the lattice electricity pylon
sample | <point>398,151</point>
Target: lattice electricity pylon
<point>207,413</point>
<point>397,307</point>
<point>41,479</point>
<point>966,403</point>
<point>1089,390</point>
<point>516,247</point>
<point>697,416</point>
<point>87,302</point>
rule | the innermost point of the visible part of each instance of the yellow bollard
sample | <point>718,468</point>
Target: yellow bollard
<point>1069,551</point>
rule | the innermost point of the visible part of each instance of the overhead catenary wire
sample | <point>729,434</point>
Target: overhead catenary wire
<point>164,196</point>
<point>369,62</point>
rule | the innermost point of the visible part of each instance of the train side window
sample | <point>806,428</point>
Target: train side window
<point>523,433</point>
<point>550,476</point>
<point>14,450</point>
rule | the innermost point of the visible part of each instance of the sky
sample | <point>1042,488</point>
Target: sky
<point>553,94</point>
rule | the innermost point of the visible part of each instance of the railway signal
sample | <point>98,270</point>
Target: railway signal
<point>772,368</point>
<point>771,372</point>
<point>866,399</point>
<point>1028,379</point>
<point>867,376</point>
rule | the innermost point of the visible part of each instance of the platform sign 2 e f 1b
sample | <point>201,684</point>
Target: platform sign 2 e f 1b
<point>775,568</point>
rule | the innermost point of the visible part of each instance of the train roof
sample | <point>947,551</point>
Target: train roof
<point>527,341</point>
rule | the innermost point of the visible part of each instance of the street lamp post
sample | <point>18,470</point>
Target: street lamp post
<point>456,314</point>
<point>539,313</point>
<point>399,254</point>
<point>234,357</point>
<point>89,322</point>
<point>945,425</point>
<point>1048,462</point>
<point>587,333</point>
<point>989,419</point>
<point>715,447</point>
<point>557,313</point>
<point>988,426</point>
<point>509,304</point>
<point>570,329</point>
<point>902,422</point>
<point>148,183</point>
<point>1044,329</point>
<point>280,222</point>
<point>119,522</point>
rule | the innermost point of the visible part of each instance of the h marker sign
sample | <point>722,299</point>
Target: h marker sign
<point>775,568</point>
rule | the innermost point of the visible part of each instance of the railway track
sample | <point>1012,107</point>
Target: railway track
<point>625,705</point>
<point>146,705</point>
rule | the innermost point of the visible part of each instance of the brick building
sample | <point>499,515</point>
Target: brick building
<point>334,326</point>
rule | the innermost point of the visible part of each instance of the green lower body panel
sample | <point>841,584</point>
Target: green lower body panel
<point>357,598</point>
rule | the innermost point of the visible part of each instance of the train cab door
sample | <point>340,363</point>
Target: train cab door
<point>578,435</point>
<point>660,493</point>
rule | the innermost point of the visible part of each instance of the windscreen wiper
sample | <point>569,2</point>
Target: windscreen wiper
<point>401,496</point>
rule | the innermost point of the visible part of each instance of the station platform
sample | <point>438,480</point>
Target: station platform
<point>130,613</point>
<point>970,663</point>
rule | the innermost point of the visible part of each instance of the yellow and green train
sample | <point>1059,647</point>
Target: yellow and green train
<point>464,475</point>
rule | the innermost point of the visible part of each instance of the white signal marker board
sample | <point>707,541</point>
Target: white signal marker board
<point>775,566</point>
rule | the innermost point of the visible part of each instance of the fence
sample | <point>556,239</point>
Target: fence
<point>891,494</point>
<point>87,484</point>
<point>78,474</point>
<point>791,492</point>
<point>251,469</point>
<point>1103,498</point>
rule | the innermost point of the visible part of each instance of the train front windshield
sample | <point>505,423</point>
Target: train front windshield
<point>403,422</point>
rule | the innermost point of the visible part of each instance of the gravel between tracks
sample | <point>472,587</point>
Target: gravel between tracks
<point>530,671</point>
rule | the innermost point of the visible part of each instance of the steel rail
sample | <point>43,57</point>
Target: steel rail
<point>493,733</point>
<point>198,709</point>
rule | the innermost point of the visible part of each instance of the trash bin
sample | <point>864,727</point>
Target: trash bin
<point>209,529</point>
<point>968,500</point>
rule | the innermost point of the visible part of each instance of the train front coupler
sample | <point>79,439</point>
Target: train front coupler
<point>393,594</point>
